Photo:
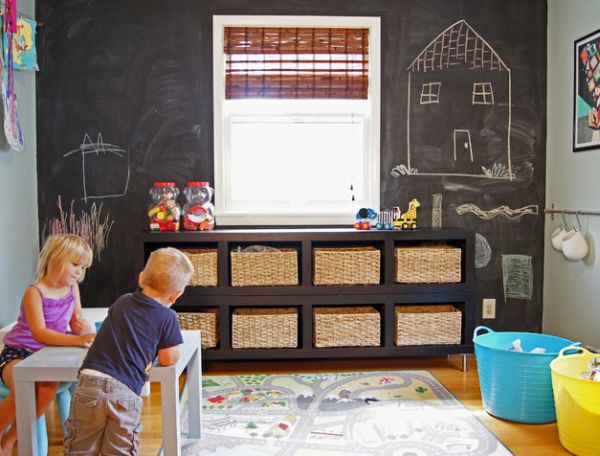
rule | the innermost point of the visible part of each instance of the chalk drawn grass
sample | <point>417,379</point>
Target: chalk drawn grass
<point>400,170</point>
<point>497,170</point>
<point>91,226</point>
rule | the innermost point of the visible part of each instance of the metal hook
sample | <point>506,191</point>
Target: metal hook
<point>578,222</point>
<point>562,214</point>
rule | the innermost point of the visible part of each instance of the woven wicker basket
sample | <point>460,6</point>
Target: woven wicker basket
<point>346,327</point>
<point>206,321</point>
<point>264,328</point>
<point>205,267</point>
<point>264,268</point>
<point>346,266</point>
<point>428,325</point>
<point>436,264</point>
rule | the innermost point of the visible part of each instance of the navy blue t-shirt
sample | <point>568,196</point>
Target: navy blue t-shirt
<point>131,335</point>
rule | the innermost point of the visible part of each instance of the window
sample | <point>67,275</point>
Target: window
<point>296,104</point>
<point>430,93</point>
<point>483,93</point>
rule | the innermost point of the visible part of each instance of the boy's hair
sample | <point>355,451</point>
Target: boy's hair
<point>168,270</point>
<point>60,248</point>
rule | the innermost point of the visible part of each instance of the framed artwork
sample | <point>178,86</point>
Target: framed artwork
<point>586,106</point>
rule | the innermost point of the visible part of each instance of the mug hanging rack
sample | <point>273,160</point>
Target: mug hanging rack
<point>552,210</point>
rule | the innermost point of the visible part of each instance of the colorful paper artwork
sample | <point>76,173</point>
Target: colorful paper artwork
<point>24,51</point>
<point>586,123</point>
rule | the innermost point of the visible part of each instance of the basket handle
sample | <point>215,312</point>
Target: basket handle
<point>574,349</point>
<point>482,328</point>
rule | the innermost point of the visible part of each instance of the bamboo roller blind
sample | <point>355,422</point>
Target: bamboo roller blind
<point>280,62</point>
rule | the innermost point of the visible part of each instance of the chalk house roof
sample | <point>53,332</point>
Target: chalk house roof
<point>459,44</point>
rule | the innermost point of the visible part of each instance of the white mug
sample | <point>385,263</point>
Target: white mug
<point>557,238</point>
<point>574,246</point>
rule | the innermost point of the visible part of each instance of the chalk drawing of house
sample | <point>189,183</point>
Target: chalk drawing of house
<point>459,108</point>
<point>104,168</point>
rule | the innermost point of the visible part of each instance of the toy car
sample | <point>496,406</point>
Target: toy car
<point>366,218</point>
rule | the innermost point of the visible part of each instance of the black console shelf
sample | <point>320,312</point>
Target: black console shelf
<point>384,296</point>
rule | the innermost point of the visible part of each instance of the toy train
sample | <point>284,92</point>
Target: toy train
<point>368,219</point>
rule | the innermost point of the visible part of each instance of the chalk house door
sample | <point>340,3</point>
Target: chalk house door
<point>463,149</point>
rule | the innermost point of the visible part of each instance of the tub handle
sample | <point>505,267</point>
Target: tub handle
<point>575,349</point>
<point>482,328</point>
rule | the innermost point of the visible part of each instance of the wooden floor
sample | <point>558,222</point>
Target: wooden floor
<point>521,439</point>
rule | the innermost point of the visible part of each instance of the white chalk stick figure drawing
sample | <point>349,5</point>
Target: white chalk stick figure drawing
<point>458,109</point>
<point>104,168</point>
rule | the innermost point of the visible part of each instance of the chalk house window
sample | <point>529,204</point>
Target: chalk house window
<point>430,93</point>
<point>296,118</point>
<point>483,93</point>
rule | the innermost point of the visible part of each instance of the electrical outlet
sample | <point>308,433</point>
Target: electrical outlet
<point>489,308</point>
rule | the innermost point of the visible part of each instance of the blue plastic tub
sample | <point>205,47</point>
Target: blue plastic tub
<point>517,386</point>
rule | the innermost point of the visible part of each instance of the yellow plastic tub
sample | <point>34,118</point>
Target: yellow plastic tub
<point>577,401</point>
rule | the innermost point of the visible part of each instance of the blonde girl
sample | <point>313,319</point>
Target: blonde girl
<point>49,306</point>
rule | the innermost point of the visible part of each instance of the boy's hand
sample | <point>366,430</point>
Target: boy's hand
<point>85,340</point>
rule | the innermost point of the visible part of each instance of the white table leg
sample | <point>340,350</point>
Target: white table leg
<point>26,419</point>
<point>194,383</point>
<point>169,392</point>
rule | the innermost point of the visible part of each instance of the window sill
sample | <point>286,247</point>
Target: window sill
<point>284,220</point>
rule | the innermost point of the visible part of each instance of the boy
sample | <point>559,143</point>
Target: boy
<point>106,406</point>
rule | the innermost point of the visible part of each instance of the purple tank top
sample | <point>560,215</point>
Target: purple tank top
<point>57,315</point>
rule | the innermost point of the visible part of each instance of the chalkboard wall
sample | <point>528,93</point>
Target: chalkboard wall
<point>124,98</point>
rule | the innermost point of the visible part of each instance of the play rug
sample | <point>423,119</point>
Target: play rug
<point>402,413</point>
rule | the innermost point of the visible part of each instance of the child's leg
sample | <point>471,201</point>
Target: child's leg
<point>7,412</point>
<point>87,418</point>
<point>44,394</point>
<point>7,417</point>
<point>7,406</point>
<point>123,426</point>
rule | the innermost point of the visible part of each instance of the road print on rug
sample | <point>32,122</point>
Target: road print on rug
<point>391,413</point>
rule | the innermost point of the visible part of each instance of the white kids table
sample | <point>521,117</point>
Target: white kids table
<point>62,364</point>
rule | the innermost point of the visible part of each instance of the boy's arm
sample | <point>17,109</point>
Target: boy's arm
<point>168,356</point>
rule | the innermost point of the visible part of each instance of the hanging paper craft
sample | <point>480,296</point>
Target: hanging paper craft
<point>12,128</point>
<point>10,22</point>
<point>24,52</point>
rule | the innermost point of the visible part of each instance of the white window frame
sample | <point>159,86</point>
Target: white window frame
<point>225,212</point>
<point>483,93</point>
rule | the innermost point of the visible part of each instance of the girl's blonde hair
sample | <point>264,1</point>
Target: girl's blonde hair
<point>60,248</point>
<point>168,270</point>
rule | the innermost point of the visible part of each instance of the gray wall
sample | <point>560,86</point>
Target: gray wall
<point>571,306</point>
<point>18,185</point>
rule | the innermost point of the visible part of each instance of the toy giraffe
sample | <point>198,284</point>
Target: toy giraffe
<point>409,218</point>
